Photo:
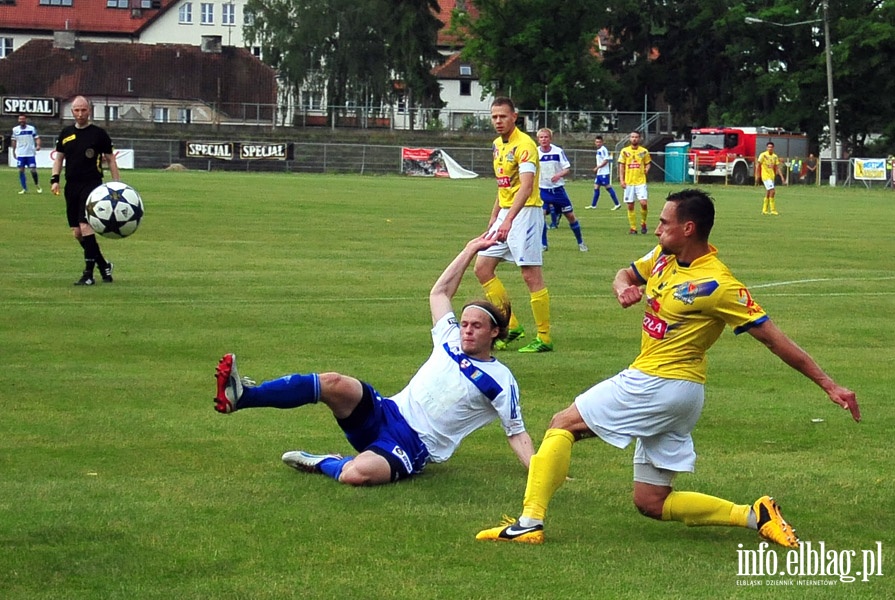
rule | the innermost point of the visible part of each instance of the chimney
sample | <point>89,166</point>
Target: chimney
<point>64,40</point>
<point>211,44</point>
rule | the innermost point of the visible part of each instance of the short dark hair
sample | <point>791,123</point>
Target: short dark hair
<point>504,101</point>
<point>696,206</point>
<point>501,317</point>
<point>769,144</point>
<point>598,137</point>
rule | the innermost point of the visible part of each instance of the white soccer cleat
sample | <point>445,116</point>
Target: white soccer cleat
<point>305,461</point>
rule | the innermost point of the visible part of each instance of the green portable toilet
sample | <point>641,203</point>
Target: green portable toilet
<point>676,157</point>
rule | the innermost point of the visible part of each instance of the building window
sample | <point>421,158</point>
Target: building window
<point>111,113</point>
<point>160,114</point>
<point>184,115</point>
<point>186,13</point>
<point>207,14</point>
<point>116,3</point>
<point>465,71</point>
<point>256,51</point>
<point>248,17</point>
<point>5,47</point>
<point>55,2</point>
<point>11,2</point>
<point>228,15</point>
<point>311,100</point>
<point>465,87</point>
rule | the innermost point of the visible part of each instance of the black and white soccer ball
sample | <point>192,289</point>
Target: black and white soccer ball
<point>114,209</point>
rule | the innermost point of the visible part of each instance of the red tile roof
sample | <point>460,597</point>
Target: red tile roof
<point>169,71</point>
<point>450,69</point>
<point>85,16</point>
<point>447,7</point>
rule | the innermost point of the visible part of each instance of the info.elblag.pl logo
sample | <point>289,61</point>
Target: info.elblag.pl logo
<point>812,563</point>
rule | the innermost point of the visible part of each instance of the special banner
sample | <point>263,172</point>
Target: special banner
<point>237,150</point>
<point>870,168</point>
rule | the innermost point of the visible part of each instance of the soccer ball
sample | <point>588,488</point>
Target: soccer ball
<point>114,209</point>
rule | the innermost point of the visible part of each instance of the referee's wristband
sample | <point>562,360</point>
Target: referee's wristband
<point>54,179</point>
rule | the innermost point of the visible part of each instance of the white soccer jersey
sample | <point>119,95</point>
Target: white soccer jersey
<point>552,161</point>
<point>452,395</point>
<point>24,135</point>
<point>603,154</point>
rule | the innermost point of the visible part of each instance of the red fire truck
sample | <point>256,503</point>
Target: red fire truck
<point>730,152</point>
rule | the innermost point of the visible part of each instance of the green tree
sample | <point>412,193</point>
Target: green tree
<point>354,52</point>
<point>863,33</point>
<point>530,49</point>
<point>782,68</point>
<point>635,30</point>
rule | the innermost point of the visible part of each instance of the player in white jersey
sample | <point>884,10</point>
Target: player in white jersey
<point>602,174</point>
<point>25,144</point>
<point>459,389</point>
<point>555,166</point>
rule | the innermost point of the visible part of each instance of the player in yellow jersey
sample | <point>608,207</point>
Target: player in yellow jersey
<point>689,297</point>
<point>767,168</point>
<point>633,166</point>
<point>517,220</point>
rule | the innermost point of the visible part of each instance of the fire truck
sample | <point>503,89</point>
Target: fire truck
<point>730,152</point>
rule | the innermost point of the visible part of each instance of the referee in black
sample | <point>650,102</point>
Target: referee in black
<point>83,146</point>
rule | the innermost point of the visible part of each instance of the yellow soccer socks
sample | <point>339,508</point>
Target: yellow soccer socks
<point>497,295</point>
<point>632,219</point>
<point>695,509</point>
<point>540,308</point>
<point>547,472</point>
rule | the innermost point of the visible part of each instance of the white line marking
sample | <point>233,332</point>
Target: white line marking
<point>387,299</point>
<point>779,283</point>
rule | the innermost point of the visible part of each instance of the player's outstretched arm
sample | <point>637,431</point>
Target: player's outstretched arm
<point>449,282</point>
<point>789,352</point>
<point>523,447</point>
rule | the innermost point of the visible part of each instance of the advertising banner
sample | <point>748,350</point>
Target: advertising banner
<point>45,158</point>
<point>432,162</point>
<point>870,168</point>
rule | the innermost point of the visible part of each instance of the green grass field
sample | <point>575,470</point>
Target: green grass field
<point>118,480</point>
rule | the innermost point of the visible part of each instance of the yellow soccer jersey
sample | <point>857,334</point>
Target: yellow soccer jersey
<point>635,162</point>
<point>768,164</point>
<point>508,157</point>
<point>687,308</point>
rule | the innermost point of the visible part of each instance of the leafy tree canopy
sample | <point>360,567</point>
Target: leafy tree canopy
<point>353,51</point>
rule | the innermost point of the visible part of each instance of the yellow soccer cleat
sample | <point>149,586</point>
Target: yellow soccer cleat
<point>771,525</point>
<point>509,530</point>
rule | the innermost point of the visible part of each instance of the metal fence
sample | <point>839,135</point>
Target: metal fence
<point>373,159</point>
<point>427,119</point>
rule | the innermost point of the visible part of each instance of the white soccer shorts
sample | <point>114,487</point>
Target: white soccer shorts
<point>635,192</point>
<point>659,413</point>
<point>523,246</point>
